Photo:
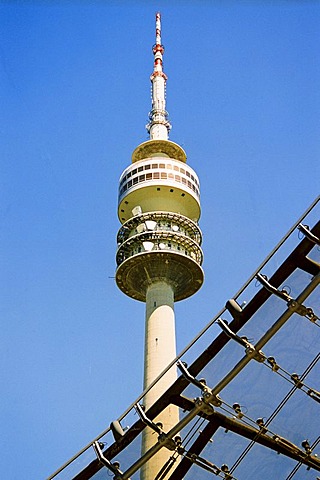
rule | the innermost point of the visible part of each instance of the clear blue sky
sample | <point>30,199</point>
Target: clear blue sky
<point>243,98</point>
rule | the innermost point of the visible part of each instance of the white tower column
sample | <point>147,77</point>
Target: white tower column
<point>160,339</point>
<point>160,350</point>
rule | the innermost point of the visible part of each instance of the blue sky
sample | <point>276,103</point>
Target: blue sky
<point>243,99</point>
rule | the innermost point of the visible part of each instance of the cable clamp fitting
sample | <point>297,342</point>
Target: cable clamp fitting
<point>291,302</point>
<point>163,439</point>
<point>203,406</point>
<point>250,349</point>
<point>114,467</point>
<point>302,310</point>
<point>307,233</point>
<point>263,279</point>
<point>208,397</point>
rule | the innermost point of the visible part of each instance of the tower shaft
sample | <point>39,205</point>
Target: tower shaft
<point>160,350</point>
<point>160,338</point>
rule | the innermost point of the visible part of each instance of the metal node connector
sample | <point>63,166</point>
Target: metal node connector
<point>275,367</point>
<point>303,310</point>
<point>237,408</point>
<point>261,425</point>
<point>306,445</point>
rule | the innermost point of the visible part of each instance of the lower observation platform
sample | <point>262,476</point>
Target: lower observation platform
<point>135,274</point>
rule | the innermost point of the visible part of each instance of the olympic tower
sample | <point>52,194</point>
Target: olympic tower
<point>159,255</point>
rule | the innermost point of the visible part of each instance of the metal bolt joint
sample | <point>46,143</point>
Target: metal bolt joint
<point>257,355</point>
<point>169,443</point>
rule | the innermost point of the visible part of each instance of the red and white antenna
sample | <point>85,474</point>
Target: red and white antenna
<point>158,28</point>
<point>159,125</point>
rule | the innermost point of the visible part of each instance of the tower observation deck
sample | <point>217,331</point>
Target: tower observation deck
<point>159,252</point>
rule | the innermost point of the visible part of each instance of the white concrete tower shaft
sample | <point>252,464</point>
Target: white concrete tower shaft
<point>159,336</point>
<point>160,350</point>
<point>159,255</point>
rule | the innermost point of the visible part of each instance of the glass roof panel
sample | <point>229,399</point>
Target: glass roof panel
<point>263,362</point>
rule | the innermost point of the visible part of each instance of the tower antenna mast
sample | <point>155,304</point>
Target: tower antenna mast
<point>159,125</point>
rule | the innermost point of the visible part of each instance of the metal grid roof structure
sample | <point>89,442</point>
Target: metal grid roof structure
<point>249,388</point>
